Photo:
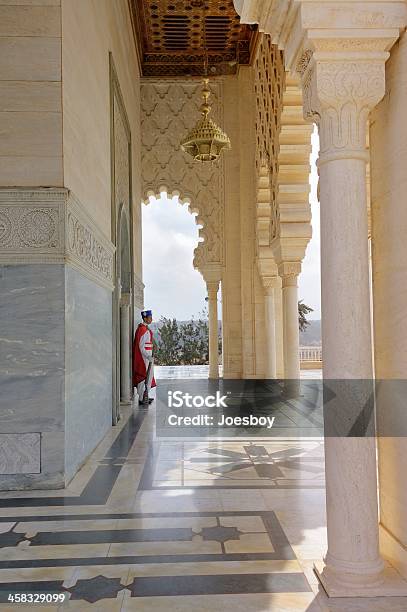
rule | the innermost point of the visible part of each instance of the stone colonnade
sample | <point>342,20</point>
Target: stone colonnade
<point>283,220</point>
<point>339,50</point>
<point>252,243</point>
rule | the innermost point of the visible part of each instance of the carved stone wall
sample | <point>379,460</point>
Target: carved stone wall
<point>169,109</point>
<point>50,226</point>
<point>293,177</point>
<point>269,84</point>
<point>138,292</point>
<point>283,150</point>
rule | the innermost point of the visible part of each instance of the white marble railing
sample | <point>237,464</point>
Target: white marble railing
<point>310,353</point>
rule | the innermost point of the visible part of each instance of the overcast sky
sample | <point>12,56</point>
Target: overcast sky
<point>173,287</point>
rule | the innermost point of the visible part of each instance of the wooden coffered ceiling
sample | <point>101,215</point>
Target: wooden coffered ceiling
<point>170,35</point>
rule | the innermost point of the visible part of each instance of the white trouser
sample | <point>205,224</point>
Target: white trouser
<point>141,387</point>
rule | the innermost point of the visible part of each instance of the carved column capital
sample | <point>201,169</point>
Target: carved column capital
<point>289,272</point>
<point>339,49</point>
<point>212,274</point>
<point>270,283</point>
<point>339,92</point>
<point>212,288</point>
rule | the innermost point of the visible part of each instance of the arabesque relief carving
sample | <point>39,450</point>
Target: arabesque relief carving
<point>169,110</point>
<point>50,226</point>
<point>283,150</point>
<point>269,84</point>
<point>339,96</point>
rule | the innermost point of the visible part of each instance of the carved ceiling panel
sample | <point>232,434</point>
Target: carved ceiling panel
<point>172,35</point>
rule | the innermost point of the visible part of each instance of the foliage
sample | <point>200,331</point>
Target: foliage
<point>167,347</point>
<point>187,342</point>
<point>303,311</point>
<point>182,343</point>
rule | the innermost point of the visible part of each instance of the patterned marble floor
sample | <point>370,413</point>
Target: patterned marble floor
<point>183,526</point>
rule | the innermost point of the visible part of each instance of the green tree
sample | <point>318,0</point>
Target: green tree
<point>194,340</point>
<point>184,343</point>
<point>303,311</point>
<point>167,344</point>
<point>190,343</point>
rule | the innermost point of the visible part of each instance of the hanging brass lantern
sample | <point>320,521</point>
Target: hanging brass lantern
<point>206,141</point>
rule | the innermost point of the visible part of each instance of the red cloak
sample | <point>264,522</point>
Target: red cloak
<point>139,366</point>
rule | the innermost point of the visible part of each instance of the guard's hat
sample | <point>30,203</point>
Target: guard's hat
<point>146,313</point>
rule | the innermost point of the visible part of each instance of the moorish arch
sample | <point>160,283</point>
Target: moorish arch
<point>202,261</point>
<point>169,109</point>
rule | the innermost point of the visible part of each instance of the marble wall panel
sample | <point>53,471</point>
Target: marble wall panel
<point>88,387</point>
<point>31,348</point>
<point>32,369</point>
<point>31,2</point>
<point>19,171</point>
<point>30,59</point>
<point>31,134</point>
<point>31,20</point>
<point>20,453</point>
<point>17,96</point>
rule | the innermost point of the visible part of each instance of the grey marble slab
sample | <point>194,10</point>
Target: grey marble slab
<point>31,348</point>
<point>88,386</point>
<point>55,371</point>
<point>20,453</point>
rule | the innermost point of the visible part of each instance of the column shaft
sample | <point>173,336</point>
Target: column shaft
<point>270,313</point>
<point>213,288</point>
<point>290,321</point>
<point>352,505</point>
<point>353,565</point>
<point>279,327</point>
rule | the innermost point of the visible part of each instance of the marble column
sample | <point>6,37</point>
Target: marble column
<point>279,328</point>
<point>270,326</point>
<point>289,274</point>
<point>339,94</point>
<point>125,386</point>
<point>213,288</point>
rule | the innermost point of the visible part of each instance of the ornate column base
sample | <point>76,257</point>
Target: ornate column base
<point>387,583</point>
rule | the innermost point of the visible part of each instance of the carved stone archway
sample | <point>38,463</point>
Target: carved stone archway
<point>211,272</point>
<point>169,109</point>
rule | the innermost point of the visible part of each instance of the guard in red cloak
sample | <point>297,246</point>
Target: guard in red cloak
<point>143,361</point>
